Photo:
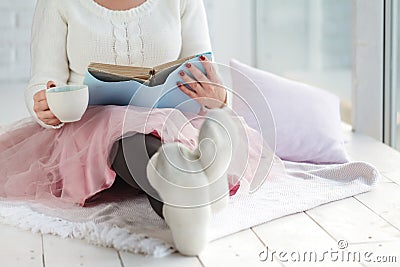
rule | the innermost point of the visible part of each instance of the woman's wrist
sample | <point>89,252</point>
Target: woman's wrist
<point>225,100</point>
<point>215,103</point>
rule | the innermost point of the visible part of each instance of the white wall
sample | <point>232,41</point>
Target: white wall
<point>232,29</point>
<point>15,24</point>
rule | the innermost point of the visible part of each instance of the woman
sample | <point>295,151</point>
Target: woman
<point>73,162</point>
<point>68,36</point>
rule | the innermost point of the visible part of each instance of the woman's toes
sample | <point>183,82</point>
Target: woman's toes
<point>190,227</point>
<point>176,174</point>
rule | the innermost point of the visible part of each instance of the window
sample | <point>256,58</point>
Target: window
<point>309,41</point>
<point>392,75</point>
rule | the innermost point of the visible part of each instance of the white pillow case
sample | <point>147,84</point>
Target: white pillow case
<point>307,119</point>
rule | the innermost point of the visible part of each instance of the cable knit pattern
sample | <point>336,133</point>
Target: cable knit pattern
<point>68,35</point>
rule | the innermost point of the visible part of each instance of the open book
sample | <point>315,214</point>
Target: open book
<point>119,73</point>
<point>145,87</point>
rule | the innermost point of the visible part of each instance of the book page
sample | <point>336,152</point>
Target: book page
<point>171,64</point>
<point>161,76</point>
<point>129,72</point>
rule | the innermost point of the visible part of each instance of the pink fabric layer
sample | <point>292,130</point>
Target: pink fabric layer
<point>72,164</point>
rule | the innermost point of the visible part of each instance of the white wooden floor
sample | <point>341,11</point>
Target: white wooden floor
<point>370,223</point>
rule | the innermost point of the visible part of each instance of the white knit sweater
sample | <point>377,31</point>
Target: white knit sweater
<point>68,35</point>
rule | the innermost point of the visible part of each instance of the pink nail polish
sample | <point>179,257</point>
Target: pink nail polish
<point>182,73</point>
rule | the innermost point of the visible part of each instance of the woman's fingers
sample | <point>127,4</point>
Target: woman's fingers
<point>48,118</point>
<point>39,96</point>
<point>210,70</point>
<point>191,82</point>
<point>50,84</point>
<point>197,74</point>
<point>52,122</point>
<point>207,90</point>
<point>46,115</point>
<point>187,91</point>
<point>40,103</point>
<point>41,106</point>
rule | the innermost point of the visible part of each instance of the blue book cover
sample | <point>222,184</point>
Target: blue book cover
<point>160,91</point>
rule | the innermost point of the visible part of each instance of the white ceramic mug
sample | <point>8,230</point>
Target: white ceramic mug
<point>68,103</point>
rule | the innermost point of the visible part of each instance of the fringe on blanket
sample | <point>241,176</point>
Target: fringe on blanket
<point>97,234</point>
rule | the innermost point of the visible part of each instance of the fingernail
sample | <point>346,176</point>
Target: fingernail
<point>178,84</point>
<point>188,65</point>
<point>52,85</point>
<point>202,58</point>
<point>182,73</point>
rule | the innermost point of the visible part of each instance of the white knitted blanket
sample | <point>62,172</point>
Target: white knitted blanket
<point>127,222</point>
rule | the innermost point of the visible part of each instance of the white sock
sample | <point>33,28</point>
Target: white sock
<point>193,184</point>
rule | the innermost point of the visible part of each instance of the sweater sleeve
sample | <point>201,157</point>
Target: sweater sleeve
<point>48,51</point>
<point>194,25</point>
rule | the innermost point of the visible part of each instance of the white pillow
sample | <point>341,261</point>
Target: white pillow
<point>307,119</point>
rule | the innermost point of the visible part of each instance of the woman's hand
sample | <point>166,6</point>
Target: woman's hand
<point>41,107</point>
<point>207,89</point>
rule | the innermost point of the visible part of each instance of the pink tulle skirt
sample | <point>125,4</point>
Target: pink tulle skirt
<point>72,164</point>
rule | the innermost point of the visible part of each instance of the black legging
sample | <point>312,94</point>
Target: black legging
<point>138,149</point>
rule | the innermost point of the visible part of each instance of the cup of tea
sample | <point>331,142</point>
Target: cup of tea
<point>68,103</point>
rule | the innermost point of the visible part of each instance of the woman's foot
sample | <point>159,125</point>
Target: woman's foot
<point>218,140</point>
<point>193,184</point>
<point>183,188</point>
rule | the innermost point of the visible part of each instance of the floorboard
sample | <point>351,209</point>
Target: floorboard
<point>20,248</point>
<point>241,249</point>
<point>353,222</point>
<point>300,241</point>
<point>174,260</point>
<point>77,253</point>
<point>384,200</point>
<point>378,254</point>
<point>384,158</point>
